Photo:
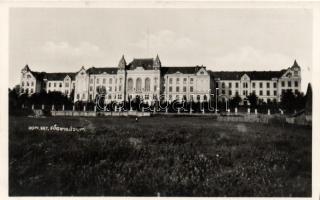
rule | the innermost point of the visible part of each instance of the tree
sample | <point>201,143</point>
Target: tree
<point>308,100</point>
<point>234,102</point>
<point>253,99</point>
<point>288,101</point>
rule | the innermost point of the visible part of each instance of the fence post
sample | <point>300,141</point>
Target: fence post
<point>95,108</point>
<point>255,111</point>
<point>32,107</point>
<point>84,108</point>
<point>268,111</point>
<point>52,107</point>
<point>166,110</point>
<point>63,107</point>
<point>248,110</point>
<point>178,110</point>
<point>42,107</point>
<point>73,108</point>
<point>202,110</point>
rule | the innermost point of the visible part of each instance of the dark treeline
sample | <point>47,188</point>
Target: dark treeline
<point>22,103</point>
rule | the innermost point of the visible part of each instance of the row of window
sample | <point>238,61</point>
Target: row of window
<point>102,89</point>
<point>27,90</point>
<point>59,84</point>
<point>184,89</point>
<point>245,84</point>
<point>119,96</point>
<point>184,97</point>
<point>178,80</point>
<point>104,80</point>
<point>138,87</point>
<point>27,83</point>
<point>245,92</point>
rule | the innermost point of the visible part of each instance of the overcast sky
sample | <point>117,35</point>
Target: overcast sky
<point>64,39</point>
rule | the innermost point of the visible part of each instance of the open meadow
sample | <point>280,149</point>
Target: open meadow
<point>169,156</point>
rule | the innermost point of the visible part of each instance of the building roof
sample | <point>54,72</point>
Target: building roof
<point>254,75</point>
<point>108,70</point>
<point>146,63</point>
<point>183,70</point>
<point>59,76</point>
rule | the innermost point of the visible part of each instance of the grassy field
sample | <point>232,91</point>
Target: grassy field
<point>172,156</point>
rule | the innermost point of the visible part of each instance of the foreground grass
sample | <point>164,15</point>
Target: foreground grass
<point>175,156</point>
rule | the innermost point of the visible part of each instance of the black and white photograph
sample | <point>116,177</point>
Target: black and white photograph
<point>161,102</point>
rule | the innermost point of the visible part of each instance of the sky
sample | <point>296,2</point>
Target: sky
<point>222,39</point>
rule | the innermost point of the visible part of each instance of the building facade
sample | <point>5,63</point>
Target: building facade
<point>148,80</point>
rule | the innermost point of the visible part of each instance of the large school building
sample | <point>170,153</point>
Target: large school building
<point>147,79</point>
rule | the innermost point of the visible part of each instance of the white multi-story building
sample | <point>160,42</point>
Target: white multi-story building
<point>149,80</point>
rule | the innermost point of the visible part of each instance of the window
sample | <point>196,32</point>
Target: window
<point>191,89</point>
<point>66,92</point>
<point>22,90</point>
<point>146,97</point>
<point>244,92</point>
<point>110,89</point>
<point>147,84</point>
<point>98,80</point>
<point>32,83</point>
<point>48,84</point>
<point>110,80</point>
<point>31,91</point>
<point>184,89</point>
<point>268,93</point>
<point>198,97</point>
<point>261,85</point>
<point>205,97</point>
<point>184,97</point>
<point>78,96</point>
<point>289,83</point>
<point>138,84</point>
<point>275,92</point>
<point>223,91</point>
<point>184,80</point>
<point>170,89</point>
<point>230,92</point>
<point>253,85</point>
<point>119,88</point>
<point>119,96</point>
<point>22,84</point>
<point>222,85</point>
<point>230,85</point>
<point>90,88</point>
<point>237,85</point>
<point>155,88</point>
<point>295,73</point>
<point>253,91</point>
<point>27,90</point>
<point>244,85</point>
<point>282,83</point>
<point>177,81</point>
<point>170,80</point>
<point>268,85</point>
<point>130,84</point>
<point>54,85</point>
<point>104,81</point>
<point>109,96</point>
<point>27,83</point>
<point>120,80</point>
<point>91,80</point>
<point>191,97</point>
<point>260,92</point>
<point>60,84</point>
<point>177,89</point>
<point>66,84</point>
<point>296,84</point>
<point>28,76</point>
<point>191,80</point>
<point>274,85</point>
<point>90,97</point>
<point>170,97</point>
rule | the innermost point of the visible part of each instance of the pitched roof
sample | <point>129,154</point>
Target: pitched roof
<point>59,76</point>
<point>254,75</point>
<point>183,70</point>
<point>38,75</point>
<point>146,63</point>
<point>108,70</point>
